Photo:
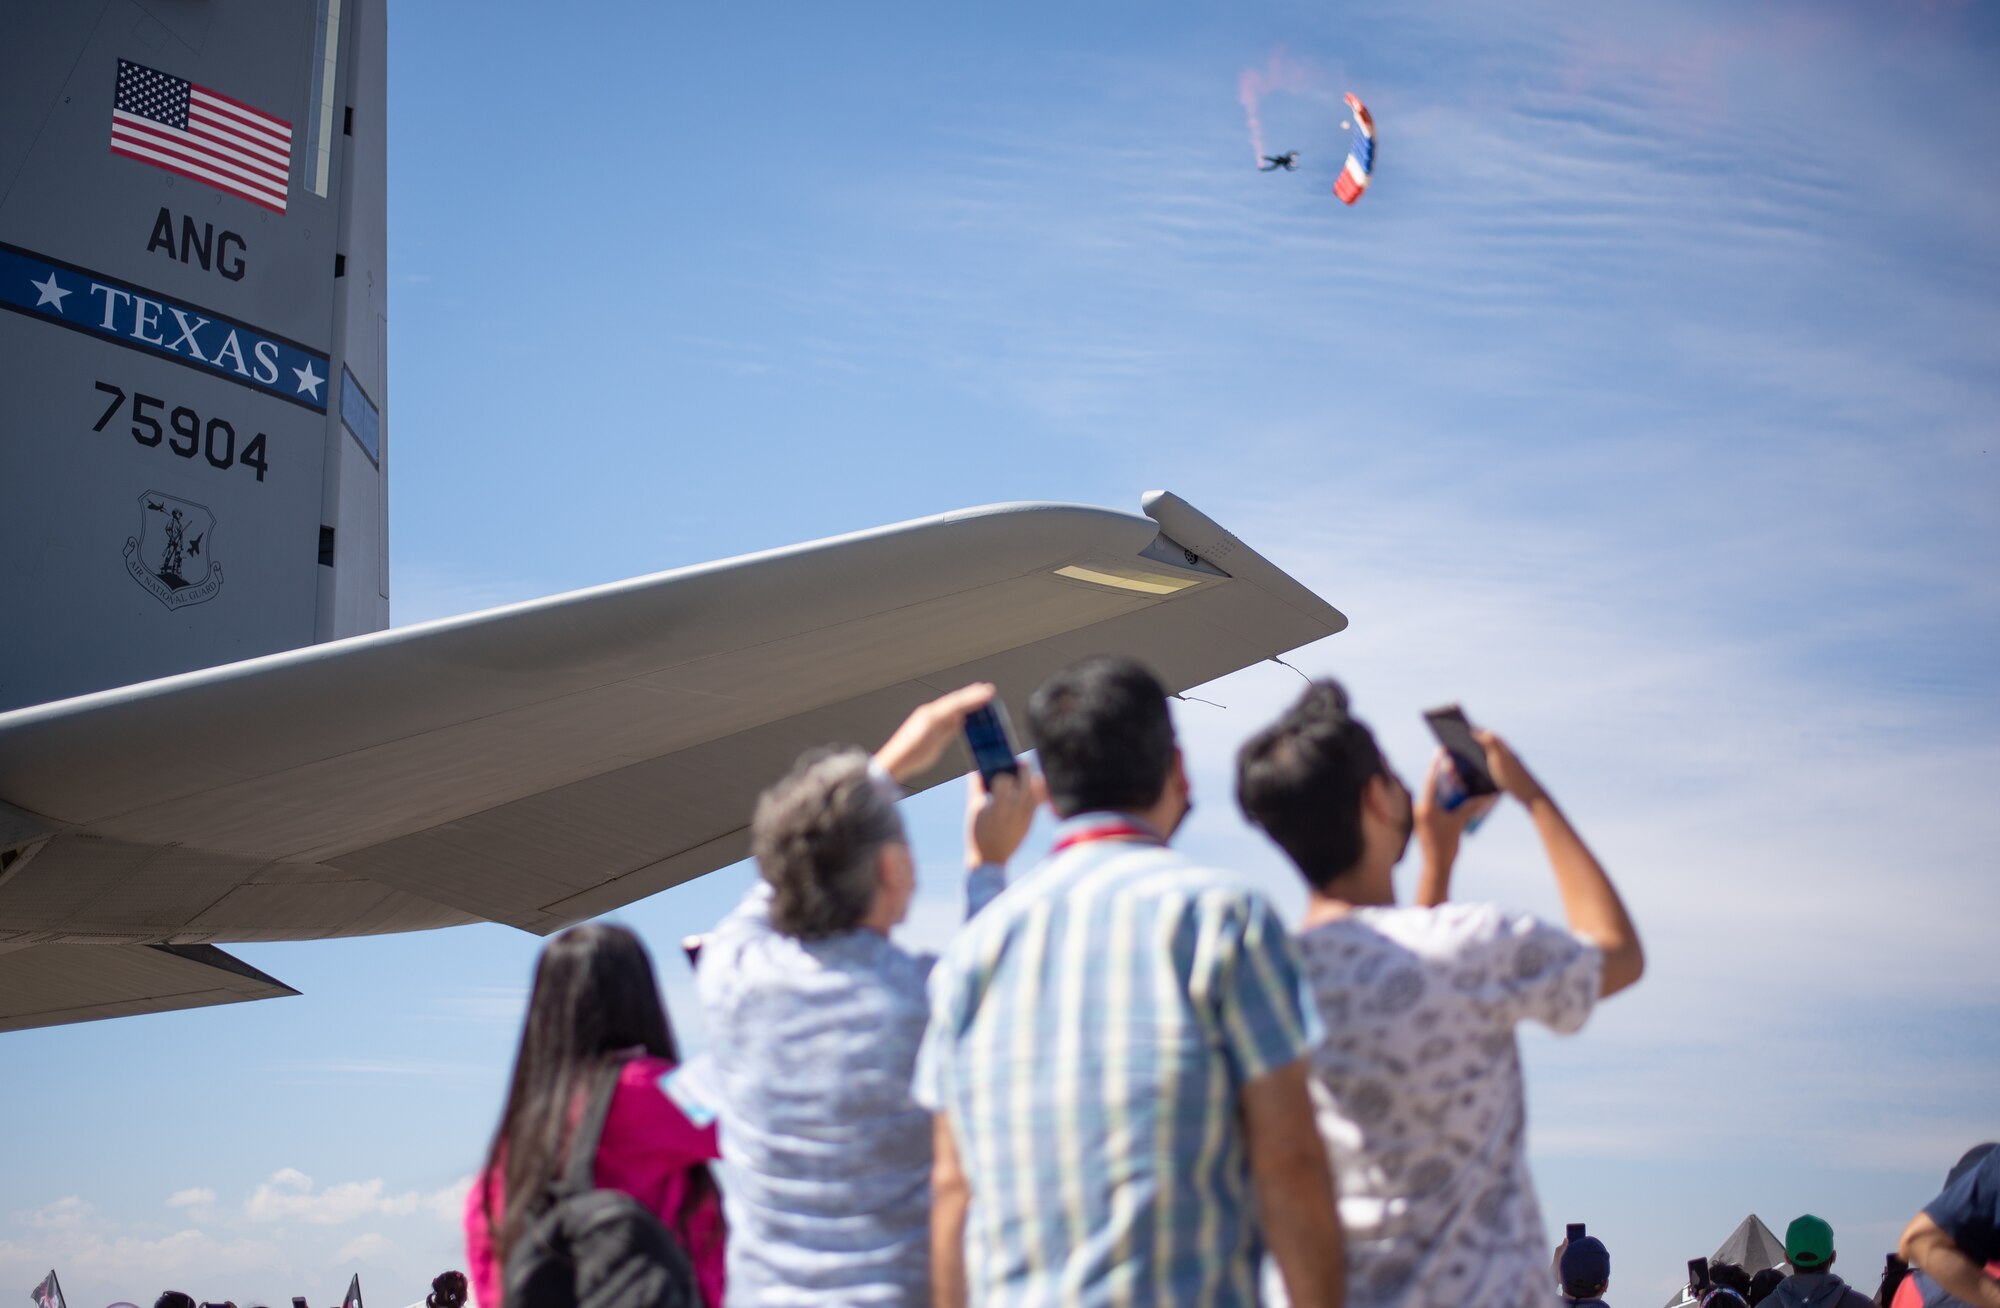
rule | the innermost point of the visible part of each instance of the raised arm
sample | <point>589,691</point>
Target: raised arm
<point>1294,1185</point>
<point>1929,1246</point>
<point>1590,902</point>
<point>1439,831</point>
<point>995,825</point>
<point>929,730</point>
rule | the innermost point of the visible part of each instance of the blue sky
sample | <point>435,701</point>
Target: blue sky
<point>1647,404</point>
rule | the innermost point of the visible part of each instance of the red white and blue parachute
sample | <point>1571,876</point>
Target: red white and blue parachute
<point>1360,166</point>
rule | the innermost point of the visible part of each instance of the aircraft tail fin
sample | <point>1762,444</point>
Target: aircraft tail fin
<point>193,335</point>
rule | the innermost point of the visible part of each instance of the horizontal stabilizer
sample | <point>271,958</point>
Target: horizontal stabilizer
<point>48,985</point>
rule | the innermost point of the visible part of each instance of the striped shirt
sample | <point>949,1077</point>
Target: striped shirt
<point>1089,1035</point>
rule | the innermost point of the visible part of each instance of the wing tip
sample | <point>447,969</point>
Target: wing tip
<point>58,984</point>
<point>1195,530</point>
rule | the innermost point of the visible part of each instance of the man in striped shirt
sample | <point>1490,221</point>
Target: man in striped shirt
<point>1116,1053</point>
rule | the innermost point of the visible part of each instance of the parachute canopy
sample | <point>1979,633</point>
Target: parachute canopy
<point>1360,166</point>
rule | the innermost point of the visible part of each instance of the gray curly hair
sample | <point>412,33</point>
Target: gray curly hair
<point>815,836</point>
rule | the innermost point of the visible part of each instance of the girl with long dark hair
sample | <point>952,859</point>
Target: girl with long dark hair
<point>596,1002</point>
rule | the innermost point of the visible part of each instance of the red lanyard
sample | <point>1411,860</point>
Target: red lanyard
<point>1110,831</point>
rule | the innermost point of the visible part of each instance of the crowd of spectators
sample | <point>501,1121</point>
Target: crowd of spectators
<point>448,1290</point>
<point>1948,1257</point>
<point>1123,1080</point>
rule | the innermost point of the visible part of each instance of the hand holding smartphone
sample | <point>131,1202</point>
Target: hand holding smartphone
<point>1468,777</point>
<point>996,821</point>
<point>992,745</point>
<point>1468,756</point>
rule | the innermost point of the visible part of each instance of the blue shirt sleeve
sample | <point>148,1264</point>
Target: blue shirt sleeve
<point>1969,1210</point>
<point>982,886</point>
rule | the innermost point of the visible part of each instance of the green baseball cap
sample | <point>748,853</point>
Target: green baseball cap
<point>1808,1242</point>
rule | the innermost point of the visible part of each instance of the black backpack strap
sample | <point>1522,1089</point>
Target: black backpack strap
<point>579,1176</point>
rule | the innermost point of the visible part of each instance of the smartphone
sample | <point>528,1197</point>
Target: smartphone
<point>298,1301</point>
<point>1698,1275</point>
<point>992,747</point>
<point>1468,758</point>
<point>1575,1232</point>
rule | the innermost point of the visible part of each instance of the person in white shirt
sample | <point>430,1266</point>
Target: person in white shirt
<point>1417,1085</point>
<point>814,1016</point>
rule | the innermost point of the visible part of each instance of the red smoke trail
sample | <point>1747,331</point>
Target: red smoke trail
<point>1279,73</point>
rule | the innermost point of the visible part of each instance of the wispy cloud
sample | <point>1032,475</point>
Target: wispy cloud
<point>373,1069</point>
<point>290,1195</point>
<point>500,1005</point>
<point>368,1247</point>
<point>290,1235</point>
<point>424,593</point>
<point>65,1214</point>
<point>96,1254</point>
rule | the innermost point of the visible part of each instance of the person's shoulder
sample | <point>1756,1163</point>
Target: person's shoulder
<point>1200,895</point>
<point>750,917</point>
<point>1205,884</point>
<point>1437,928</point>
<point>1051,884</point>
<point>1971,1196</point>
<point>642,1084</point>
<point>644,1070</point>
<point>898,968</point>
<point>974,938</point>
<point>744,931</point>
<point>658,1104</point>
<point>1473,917</point>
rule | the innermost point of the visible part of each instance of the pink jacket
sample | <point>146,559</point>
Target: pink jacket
<point>647,1149</point>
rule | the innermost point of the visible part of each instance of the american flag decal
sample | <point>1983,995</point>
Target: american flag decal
<point>173,124</point>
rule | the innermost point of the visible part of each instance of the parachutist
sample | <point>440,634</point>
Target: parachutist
<point>1359,169</point>
<point>1289,161</point>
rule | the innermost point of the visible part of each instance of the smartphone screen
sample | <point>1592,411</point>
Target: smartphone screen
<point>986,734</point>
<point>1575,1232</point>
<point>1448,724</point>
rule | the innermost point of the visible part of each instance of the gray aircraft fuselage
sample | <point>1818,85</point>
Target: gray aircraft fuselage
<point>192,253</point>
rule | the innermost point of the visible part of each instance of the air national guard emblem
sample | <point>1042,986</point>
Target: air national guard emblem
<point>173,556</point>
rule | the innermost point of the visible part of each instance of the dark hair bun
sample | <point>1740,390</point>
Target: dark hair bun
<point>447,1291</point>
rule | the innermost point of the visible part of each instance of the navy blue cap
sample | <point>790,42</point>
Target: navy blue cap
<point>1586,1262</point>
